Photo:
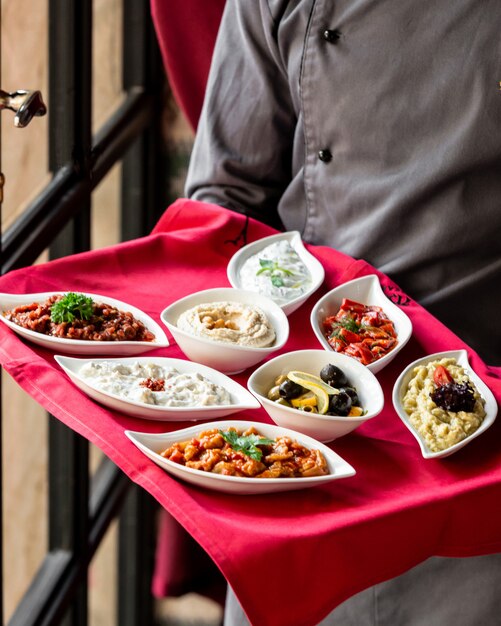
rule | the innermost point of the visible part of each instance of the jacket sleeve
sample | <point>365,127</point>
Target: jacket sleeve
<point>243,147</point>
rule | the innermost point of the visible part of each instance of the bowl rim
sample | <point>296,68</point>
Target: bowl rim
<point>277,312</point>
<point>315,267</point>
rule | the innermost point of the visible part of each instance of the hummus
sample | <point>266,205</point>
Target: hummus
<point>440,428</point>
<point>229,322</point>
<point>150,383</point>
<point>276,272</point>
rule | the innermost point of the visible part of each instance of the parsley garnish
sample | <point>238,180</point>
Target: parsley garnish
<point>275,270</point>
<point>71,306</point>
<point>246,443</point>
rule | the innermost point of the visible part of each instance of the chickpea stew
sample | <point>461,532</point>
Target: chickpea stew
<point>245,453</point>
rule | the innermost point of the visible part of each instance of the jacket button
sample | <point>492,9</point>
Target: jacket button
<point>325,155</point>
<point>332,36</point>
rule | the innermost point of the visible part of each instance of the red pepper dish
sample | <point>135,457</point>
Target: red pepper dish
<point>361,331</point>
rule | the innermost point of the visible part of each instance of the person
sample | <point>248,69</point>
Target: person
<point>373,128</point>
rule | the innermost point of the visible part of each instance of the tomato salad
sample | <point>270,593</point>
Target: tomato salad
<point>361,331</point>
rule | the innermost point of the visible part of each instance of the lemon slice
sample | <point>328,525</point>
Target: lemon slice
<point>319,390</point>
<point>301,378</point>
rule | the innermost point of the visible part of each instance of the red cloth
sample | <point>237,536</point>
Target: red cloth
<point>186,32</point>
<point>316,546</point>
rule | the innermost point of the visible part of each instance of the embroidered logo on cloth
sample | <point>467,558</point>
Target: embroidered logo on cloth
<point>396,295</point>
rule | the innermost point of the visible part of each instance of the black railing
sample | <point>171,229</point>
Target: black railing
<point>81,509</point>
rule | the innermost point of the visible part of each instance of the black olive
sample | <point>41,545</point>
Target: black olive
<point>339,404</point>
<point>333,376</point>
<point>289,389</point>
<point>454,397</point>
<point>352,392</point>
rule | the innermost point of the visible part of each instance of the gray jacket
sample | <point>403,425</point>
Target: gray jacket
<point>373,127</point>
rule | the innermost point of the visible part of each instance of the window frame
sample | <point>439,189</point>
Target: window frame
<point>81,508</point>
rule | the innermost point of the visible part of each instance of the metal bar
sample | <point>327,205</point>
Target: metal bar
<point>39,602</point>
<point>136,559</point>
<point>141,204</point>
<point>47,599</point>
<point>70,122</point>
<point>70,30</point>
<point>128,122</point>
<point>70,141</point>
<point>68,506</point>
<point>61,200</point>
<point>144,194</point>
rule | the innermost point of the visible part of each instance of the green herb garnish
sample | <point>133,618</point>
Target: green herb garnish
<point>349,323</point>
<point>71,306</point>
<point>345,323</point>
<point>276,271</point>
<point>246,443</point>
<point>277,281</point>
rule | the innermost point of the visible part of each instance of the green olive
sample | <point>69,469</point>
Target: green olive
<point>282,401</point>
<point>274,393</point>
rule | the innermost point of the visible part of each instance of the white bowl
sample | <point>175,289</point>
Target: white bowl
<point>225,357</point>
<point>321,427</point>
<point>366,290</point>
<point>240,398</point>
<point>294,238</point>
<point>79,346</point>
<point>401,385</point>
<point>152,445</point>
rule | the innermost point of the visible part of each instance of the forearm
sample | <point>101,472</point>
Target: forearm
<point>242,153</point>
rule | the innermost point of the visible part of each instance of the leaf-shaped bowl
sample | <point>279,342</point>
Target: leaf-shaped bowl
<point>314,267</point>
<point>78,346</point>
<point>240,398</point>
<point>153,444</point>
<point>366,290</point>
<point>401,386</point>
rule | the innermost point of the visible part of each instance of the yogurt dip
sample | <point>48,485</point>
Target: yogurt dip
<point>229,322</point>
<point>440,428</point>
<point>277,272</point>
<point>150,383</point>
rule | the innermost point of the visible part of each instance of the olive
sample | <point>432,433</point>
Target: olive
<point>334,376</point>
<point>280,379</point>
<point>352,392</point>
<point>289,389</point>
<point>282,401</point>
<point>274,393</point>
<point>339,404</point>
